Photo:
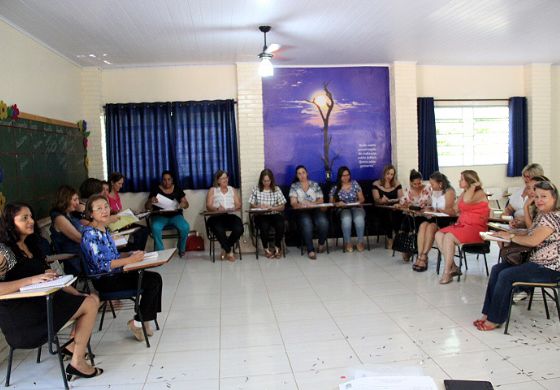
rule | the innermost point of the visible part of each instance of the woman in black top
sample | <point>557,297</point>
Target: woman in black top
<point>24,321</point>
<point>387,191</point>
<point>172,218</point>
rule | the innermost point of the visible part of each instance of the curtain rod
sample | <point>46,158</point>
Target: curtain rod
<point>471,100</point>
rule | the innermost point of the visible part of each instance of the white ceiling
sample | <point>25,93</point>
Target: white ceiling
<point>312,32</point>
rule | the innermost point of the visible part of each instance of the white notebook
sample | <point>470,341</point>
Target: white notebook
<point>488,236</point>
<point>149,258</point>
<point>61,281</point>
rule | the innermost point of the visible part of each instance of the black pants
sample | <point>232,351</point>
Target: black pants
<point>137,240</point>
<point>220,224</point>
<point>390,221</point>
<point>265,222</point>
<point>150,302</point>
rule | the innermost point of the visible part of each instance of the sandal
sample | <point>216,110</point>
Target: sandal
<point>312,255</point>
<point>486,326</point>
<point>268,253</point>
<point>277,253</point>
<point>72,372</point>
<point>446,278</point>
<point>421,264</point>
<point>67,354</point>
<point>230,257</point>
<point>478,322</point>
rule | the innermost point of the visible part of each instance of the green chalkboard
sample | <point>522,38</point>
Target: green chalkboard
<point>36,158</point>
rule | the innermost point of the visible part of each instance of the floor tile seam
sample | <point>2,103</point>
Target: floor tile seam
<point>220,325</point>
<point>277,324</point>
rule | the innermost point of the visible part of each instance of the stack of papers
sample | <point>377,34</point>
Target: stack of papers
<point>127,217</point>
<point>165,203</point>
<point>489,236</point>
<point>61,281</point>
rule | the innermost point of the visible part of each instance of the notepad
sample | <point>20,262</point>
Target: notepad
<point>149,258</point>
<point>488,236</point>
<point>126,217</point>
<point>61,281</point>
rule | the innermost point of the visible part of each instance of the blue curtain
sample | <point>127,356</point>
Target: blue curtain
<point>206,141</point>
<point>192,139</point>
<point>518,136</point>
<point>427,141</point>
<point>139,142</point>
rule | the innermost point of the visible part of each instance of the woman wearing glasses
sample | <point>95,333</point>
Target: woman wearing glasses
<point>543,265</point>
<point>102,257</point>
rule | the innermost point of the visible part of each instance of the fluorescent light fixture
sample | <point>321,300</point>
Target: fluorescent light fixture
<point>107,62</point>
<point>92,55</point>
<point>265,68</point>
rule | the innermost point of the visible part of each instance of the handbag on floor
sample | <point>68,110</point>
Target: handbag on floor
<point>515,254</point>
<point>405,239</point>
<point>195,242</point>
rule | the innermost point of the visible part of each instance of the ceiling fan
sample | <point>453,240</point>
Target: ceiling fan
<point>265,68</point>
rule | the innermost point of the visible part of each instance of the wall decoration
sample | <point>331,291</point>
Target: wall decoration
<point>324,118</point>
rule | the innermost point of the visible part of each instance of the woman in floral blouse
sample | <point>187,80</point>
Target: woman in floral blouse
<point>348,191</point>
<point>305,194</point>
<point>267,196</point>
<point>417,194</point>
<point>544,261</point>
<point>102,257</point>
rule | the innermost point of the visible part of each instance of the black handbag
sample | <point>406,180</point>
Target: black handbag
<point>405,239</point>
<point>515,254</point>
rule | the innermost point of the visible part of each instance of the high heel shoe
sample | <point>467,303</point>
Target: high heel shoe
<point>67,354</point>
<point>72,372</point>
<point>446,278</point>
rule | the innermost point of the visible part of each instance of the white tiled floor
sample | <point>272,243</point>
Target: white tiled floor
<point>310,325</point>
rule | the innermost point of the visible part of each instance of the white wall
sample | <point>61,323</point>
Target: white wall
<point>554,175</point>
<point>178,83</point>
<point>39,81</point>
<point>473,82</point>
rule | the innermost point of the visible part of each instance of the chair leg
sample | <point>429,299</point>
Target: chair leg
<point>509,311</point>
<point>91,355</point>
<point>531,299</point>
<point>438,264</point>
<point>9,372</point>
<point>104,306</point>
<point>557,301</point>
<point>112,309</point>
<point>213,250</point>
<point>157,325</point>
<point>461,254</point>
<point>39,354</point>
<point>486,265</point>
<point>545,303</point>
<point>61,363</point>
<point>239,247</point>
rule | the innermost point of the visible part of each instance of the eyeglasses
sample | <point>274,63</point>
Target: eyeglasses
<point>106,207</point>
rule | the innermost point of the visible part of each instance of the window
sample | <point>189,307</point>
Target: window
<point>472,134</point>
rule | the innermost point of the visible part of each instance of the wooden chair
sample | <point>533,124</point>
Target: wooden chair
<point>555,287</point>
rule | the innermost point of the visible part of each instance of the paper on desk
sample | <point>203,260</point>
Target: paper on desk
<point>488,236</point>
<point>436,214</point>
<point>61,281</point>
<point>390,383</point>
<point>149,258</point>
<point>165,203</point>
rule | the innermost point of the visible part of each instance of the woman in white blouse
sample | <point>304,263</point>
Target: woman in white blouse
<point>223,197</point>
<point>443,201</point>
<point>519,198</point>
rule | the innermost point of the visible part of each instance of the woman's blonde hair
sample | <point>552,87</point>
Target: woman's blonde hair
<point>471,177</point>
<point>533,170</point>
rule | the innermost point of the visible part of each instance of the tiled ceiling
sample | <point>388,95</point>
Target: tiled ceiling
<point>312,32</point>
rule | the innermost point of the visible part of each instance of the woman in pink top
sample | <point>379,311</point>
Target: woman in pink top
<point>116,181</point>
<point>473,218</point>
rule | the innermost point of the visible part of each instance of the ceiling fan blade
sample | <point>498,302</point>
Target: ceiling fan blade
<point>272,48</point>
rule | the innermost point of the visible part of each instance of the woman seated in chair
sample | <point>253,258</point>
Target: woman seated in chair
<point>23,321</point>
<point>66,228</point>
<point>443,201</point>
<point>518,199</point>
<point>417,195</point>
<point>473,210</point>
<point>138,239</point>
<point>103,259</point>
<point>543,265</point>
<point>306,193</point>
<point>388,191</point>
<point>223,197</point>
<point>174,217</point>
<point>268,196</point>
<point>344,192</point>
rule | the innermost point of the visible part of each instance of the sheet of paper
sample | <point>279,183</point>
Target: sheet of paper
<point>436,214</point>
<point>61,281</point>
<point>488,236</point>
<point>126,218</point>
<point>151,258</point>
<point>165,203</point>
<point>390,383</point>
<point>120,240</point>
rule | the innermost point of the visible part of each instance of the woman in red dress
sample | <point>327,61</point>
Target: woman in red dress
<point>473,210</point>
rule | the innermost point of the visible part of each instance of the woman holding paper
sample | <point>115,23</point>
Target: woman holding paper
<point>168,202</point>
<point>348,191</point>
<point>102,257</point>
<point>544,260</point>
<point>473,210</point>
<point>223,197</point>
<point>23,320</point>
<point>305,193</point>
<point>443,201</point>
<point>268,196</point>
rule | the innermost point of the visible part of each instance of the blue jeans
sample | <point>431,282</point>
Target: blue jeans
<point>158,222</point>
<point>356,214</point>
<point>305,220</point>
<point>502,277</point>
